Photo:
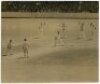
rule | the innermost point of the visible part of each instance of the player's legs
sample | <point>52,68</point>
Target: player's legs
<point>24,53</point>
<point>92,35</point>
<point>27,53</point>
<point>84,35</point>
<point>9,51</point>
<point>61,41</point>
<point>55,41</point>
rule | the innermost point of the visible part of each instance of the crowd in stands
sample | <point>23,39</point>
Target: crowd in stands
<point>50,6</point>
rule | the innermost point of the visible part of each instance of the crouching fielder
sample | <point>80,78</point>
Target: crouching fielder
<point>25,48</point>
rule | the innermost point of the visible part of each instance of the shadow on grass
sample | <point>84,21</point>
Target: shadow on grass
<point>69,57</point>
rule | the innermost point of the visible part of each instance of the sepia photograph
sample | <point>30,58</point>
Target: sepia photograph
<point>49,41</point>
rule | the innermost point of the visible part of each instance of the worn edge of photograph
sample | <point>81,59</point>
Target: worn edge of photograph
<point>24,39</point>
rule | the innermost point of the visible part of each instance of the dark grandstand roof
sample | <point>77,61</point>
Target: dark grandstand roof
<point>50,6</point>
